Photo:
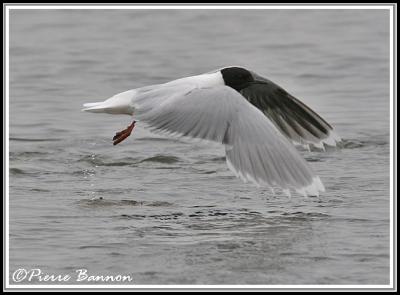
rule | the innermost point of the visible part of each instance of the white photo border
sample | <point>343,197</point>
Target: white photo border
<point>392,7</point>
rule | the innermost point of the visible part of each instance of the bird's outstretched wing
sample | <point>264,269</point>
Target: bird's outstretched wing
<point>255,149</point>
<point>293,118</point>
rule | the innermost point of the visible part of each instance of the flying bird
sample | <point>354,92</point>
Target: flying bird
<point>256,120</point>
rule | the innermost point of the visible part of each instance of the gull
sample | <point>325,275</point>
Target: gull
<point>257,121</point>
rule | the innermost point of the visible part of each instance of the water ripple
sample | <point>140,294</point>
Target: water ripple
<point>34,139</point>
<point>354,143</point>
<point>162,159</point>
<point>101,202</point>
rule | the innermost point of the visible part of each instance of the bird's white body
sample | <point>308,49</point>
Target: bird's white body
<point>122,103</point>
<point>204,107</point>
<point>200,81</point>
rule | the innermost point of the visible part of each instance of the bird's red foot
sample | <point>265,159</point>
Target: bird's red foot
<point>122,135</point>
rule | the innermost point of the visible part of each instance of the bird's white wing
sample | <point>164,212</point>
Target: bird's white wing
<point>255,148</point>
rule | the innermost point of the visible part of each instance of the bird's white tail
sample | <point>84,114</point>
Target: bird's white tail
<point>118,104</point>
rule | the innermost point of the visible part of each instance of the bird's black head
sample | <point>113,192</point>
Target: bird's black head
<point>237,78</point>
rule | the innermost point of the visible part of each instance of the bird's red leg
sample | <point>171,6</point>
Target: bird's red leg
<point>122,135</point>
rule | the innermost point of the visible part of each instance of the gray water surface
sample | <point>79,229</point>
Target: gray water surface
<point>167,211</point>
